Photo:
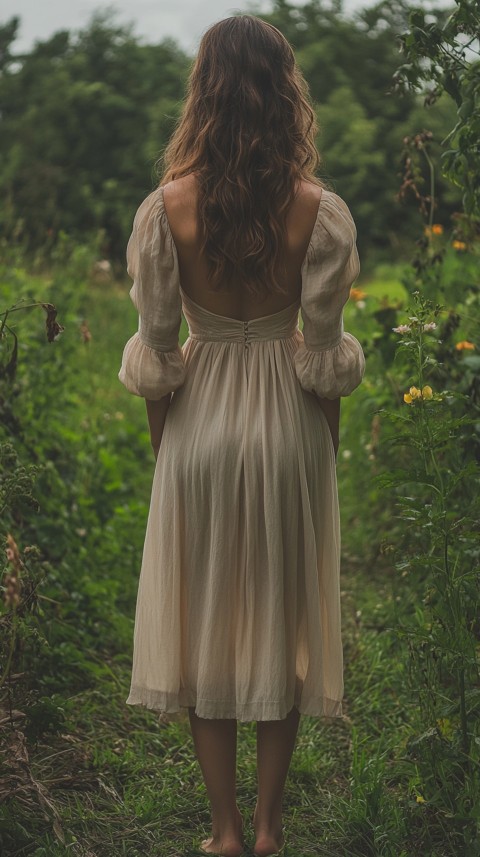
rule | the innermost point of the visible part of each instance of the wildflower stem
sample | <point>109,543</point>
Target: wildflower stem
<point>12,647</point>
<point>463,711</point>
<point>15,308</point>
<point>446,563</point>
<point>4,322</point>
<point>432,186</point>
<point>19,306</point>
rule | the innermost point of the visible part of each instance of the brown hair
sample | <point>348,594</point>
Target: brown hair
<point>247,131</point>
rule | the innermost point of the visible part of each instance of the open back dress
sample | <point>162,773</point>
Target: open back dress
<point>238,606</point>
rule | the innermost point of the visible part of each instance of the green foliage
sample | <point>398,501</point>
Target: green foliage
<point>435,488</point>
<point>434,439</point>
<point>57,466</point>
<point>442,54</point>
<point>81,118</point>
<point>86,116</point>
<point>350,62</point>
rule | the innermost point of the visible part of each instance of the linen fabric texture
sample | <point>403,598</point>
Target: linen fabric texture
<point>238,610</point>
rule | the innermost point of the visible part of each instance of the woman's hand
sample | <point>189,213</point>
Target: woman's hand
<point>336,443</point>
<point>157,413</point>
<point>331,409</point>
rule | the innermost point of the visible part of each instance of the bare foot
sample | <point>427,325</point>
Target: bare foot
<point>227,848</point>
<point>267,845</point>
<point>268,841</point>
<point>230,844</point>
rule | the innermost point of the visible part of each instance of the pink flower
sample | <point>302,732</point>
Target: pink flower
<point>402,328</point>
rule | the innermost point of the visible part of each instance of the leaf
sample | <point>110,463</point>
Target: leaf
<point>472,361</point>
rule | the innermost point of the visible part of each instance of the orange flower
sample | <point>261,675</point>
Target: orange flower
<point>465,345</point>
<point>357,294</point>
<point>459,245</point>
<point>435,229</point>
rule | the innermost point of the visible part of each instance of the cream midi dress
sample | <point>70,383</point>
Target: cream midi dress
<point>238,605</point>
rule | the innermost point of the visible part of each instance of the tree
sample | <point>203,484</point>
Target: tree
<point>442,53</point>
<point>80,129</point>
<point>350,63</point>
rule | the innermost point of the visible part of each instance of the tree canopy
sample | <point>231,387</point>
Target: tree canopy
<point>85,116</point>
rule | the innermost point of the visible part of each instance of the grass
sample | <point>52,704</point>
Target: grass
<point>385,283</point>
<point>125,782</point>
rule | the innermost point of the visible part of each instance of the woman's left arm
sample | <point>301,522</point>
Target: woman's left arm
<point>157,413</point>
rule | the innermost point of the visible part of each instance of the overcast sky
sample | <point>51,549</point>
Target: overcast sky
<point>185,20</point>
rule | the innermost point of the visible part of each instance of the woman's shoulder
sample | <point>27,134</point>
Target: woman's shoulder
<point>174,193</point>
<point>180,202</point>
<point>308,190</point>
<point>326,202</point>
<point>181,193</point>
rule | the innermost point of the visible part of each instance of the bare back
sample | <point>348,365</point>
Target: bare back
<point>237,303</point>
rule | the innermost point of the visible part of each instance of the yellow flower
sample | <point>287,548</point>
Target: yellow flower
<point>414,393</point>
<point>465,345</point>
<point>357,294</point>
<point>420,799</point>
<point>459,245</point>
<point>437,229</point>
<point>427,230</point>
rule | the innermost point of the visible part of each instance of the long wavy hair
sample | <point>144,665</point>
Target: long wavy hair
<point>247,132</point>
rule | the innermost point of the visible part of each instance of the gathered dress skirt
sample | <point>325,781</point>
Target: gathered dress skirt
<point>238,605</point>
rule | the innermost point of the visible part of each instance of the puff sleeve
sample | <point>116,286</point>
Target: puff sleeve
<point>329,361</point>
<point>152,360</point>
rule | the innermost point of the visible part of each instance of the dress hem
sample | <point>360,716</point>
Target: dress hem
<point>166,703</point>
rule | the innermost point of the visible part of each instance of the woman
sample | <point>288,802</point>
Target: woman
<point>238,606</point>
